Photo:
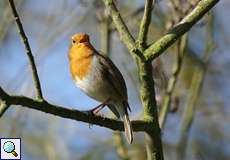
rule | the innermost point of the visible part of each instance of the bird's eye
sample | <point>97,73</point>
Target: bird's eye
<point>74,41</point>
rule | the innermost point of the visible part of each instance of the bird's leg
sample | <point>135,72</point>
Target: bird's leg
<point>99,107</point>
<point>95,110</point>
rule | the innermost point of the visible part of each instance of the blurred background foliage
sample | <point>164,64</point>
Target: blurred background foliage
<point>197,125</point>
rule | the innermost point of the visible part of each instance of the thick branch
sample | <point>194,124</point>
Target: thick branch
<point>123,30</point>
<point>147,93</point>
<point>157,48</point>
<point>144,26</point>
<point>70,113</point>
<point>28,49</point>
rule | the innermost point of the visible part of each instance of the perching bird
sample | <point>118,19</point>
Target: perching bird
<point>100,79</point>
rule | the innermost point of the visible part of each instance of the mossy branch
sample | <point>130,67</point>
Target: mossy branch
<point>121,27</point>
<point>145,22</point>
<point>83,116</point>
<point>147,93</point>
<point>157,48</point>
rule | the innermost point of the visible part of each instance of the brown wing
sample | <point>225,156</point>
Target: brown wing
<point>113,75</point>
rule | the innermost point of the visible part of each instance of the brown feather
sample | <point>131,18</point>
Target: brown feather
<point>114,76</point>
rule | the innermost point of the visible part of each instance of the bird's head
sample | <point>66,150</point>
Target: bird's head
<point>80,38</point>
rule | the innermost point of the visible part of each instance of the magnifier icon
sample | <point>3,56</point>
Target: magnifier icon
<point>9,147</point>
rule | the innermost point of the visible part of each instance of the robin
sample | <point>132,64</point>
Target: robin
<point>98,77</point>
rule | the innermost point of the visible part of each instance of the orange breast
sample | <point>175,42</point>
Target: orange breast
<point>80,56</point>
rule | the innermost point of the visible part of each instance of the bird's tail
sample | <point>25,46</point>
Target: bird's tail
<point>121,110</point>
<point>127,123</point>
<point>128,128</point>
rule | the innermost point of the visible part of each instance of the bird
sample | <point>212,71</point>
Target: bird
<point>98,77</point>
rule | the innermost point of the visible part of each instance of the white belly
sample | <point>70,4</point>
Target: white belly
<point>93,84</point>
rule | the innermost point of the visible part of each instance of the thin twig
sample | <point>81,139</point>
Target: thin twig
<point>157,48</point>
<point>145,22</point>
<point>105,33</point>
<point>27,49</point>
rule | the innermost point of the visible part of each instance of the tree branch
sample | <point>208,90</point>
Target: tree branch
<point>150,114</point>
<point>105,35</point>
<point>123,30</point>
<point>121,148</point>
<point>73,114</point>
<point>172,81</point>
<point>188,114</point>
<point>195,90</point>
<point>144,26</point>
<point>157,48</point>
<point>27,48</point>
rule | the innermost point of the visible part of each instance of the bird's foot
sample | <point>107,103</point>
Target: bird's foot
<point>97,109</point>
